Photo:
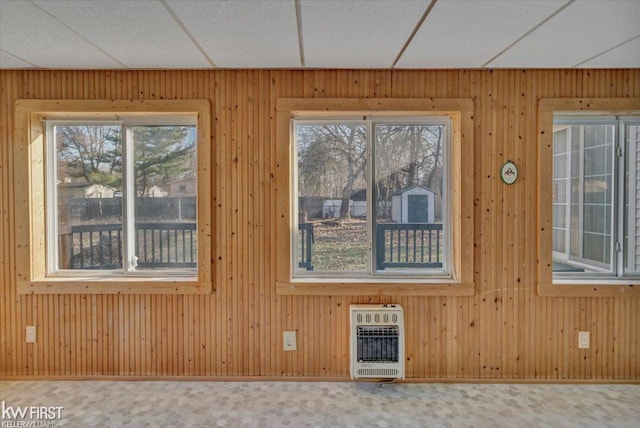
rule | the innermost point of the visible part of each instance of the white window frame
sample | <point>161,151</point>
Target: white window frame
<point>370,122</point>
<point>618,195</point>
<point>632,160</point>
<point>129,259</point>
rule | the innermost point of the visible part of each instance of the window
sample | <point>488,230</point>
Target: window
<point>103,213</point>
<point>593,199</point>
<point>372,197</point>
<point>109,204</point>
<point>595,194</point>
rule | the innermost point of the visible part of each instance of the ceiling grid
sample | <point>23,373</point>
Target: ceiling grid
<point>312,34</point>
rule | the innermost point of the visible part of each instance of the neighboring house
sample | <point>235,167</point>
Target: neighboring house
<point>357,205</point>
<point>415,204</point>
<point>84,190</point>
<point>155,192</point>
<point>183,187</point>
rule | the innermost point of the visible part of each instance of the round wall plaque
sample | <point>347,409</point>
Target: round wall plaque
<point>509,172</point>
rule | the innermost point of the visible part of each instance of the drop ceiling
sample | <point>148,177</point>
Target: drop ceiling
<point>400,34</point>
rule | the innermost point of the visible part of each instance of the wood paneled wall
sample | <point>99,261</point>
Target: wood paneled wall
<point>504,331</point>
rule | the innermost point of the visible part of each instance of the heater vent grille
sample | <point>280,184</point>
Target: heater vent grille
<point>378,373</point>
<point>378,344</point>
<point>377,341</point>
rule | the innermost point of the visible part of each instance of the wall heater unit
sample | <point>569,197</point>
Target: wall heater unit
<point>377,341</point>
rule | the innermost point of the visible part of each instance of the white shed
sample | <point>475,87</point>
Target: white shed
<point>415,204</point>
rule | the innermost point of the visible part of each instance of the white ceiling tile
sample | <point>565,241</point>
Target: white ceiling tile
<point>468,33</point>
<point>10,61</point>
<point>30,33</point>
<point>92,34</point>
<point>357,33</point>
<point>625,56</point>
<point>582,30</point>
<point>243,34</point>
<point>139,34</point>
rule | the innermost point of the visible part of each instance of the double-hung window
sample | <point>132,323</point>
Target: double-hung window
<point>372,197</point>
<point>114,203</point>
<point>596,196</point>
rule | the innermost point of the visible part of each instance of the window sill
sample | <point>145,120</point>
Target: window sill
<point>371,288</point>
<point>600,288</point>
<point>101,285</point>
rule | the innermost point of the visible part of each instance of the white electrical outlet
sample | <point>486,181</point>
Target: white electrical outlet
<point>583,339</point>
<point>31,334</point>
<point>289,340</point>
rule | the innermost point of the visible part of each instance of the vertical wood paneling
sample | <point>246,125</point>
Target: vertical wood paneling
<point>504,331</point>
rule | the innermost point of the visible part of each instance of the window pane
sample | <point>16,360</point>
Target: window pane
<point>598,135</point>
<point>560,165</point>
<point>409,182</point>
<point>560,142</point>
<point>165,197</point>
<point>575,232</point>
<point>597,190</point>
<point>332,198</point>
<point>589,199</point>
<point>632,201</point>
<point>559,239</point>
<point>595,219</point>
<point>560,216</point>
<point>559,191</point>
<point>595,161</point>
<point>597,195</point>
<point>560,186</point>
<point>597,248</point>
<point>88,165</point>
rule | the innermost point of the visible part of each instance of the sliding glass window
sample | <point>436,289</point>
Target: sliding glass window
<point>371,197</point>
<point>121,195</point>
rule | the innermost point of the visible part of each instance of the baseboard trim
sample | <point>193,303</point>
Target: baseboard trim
<point>150,378</point>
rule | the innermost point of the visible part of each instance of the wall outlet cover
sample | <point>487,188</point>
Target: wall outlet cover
<point>31,334</point>
<point>289,341</point>
<point>583,339</point>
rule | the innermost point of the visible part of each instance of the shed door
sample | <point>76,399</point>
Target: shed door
<point>418,209</point>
